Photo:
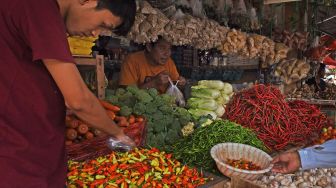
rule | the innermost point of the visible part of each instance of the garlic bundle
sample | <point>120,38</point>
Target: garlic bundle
<point>149,24</point>
<point>292,70</point>
<point>235,41</point>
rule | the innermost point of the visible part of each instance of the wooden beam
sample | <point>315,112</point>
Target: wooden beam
<point>267,2</point>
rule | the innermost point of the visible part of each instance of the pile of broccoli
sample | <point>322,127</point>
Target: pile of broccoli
<point>164,119</point>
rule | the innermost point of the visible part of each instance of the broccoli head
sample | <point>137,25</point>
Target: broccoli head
<point>169,100</point>
<point>120,91</point>
<point>172,136</point>
<point>151,108</point>
<point>125,111</point>
<point>139,109</point>
<point>143,96</point>
<point>153,92</point>
<point>112,99</point>
<point>132,89</point>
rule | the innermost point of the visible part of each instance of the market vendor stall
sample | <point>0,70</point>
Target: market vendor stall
<point>225,127</point>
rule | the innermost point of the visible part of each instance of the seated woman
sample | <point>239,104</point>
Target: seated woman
<point>151,68</point>
<point>317,81</point>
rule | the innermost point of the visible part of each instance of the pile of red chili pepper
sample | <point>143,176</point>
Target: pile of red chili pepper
<point>243,164</point>
<point>139,168</point>
<point>277,123</point>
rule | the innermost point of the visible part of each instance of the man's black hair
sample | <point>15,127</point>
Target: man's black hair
<point>157,41</point>
<point>125,9</point>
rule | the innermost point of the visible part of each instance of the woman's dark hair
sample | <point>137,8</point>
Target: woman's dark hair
<point>125,9</point>
<point>322,67</point>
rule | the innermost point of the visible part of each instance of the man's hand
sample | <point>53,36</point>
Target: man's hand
<point>286,162</point>
<point>125,139</point>
<point>161,78</point>
<point>182,81</point>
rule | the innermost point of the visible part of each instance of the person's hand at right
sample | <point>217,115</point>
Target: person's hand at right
<point>286,162</point>
<point>161,78</point>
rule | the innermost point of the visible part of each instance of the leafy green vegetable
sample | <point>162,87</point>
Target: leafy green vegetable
<point>220,111</point>
<point>196,113</point>
<point>205,93</point>
<point>195,149</point>
<point>228,89</point>
<point>214,84</point>
<point>199,103</point>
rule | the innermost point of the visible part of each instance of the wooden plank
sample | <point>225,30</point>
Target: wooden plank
<point>216,182</point>
<point>85,61</point>
<point>100,77</point>
<point>240,183</point>
<point>267,2</point>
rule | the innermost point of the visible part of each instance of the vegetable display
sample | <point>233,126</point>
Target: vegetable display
<point>243,164</point>
<point>326,134</point>
<point>209,98</point>
<point>164,119</point>
<point>140,168</point>
<point>132,125</point>
<point>194,149</point>
<point>78,131</point>
<point>308,92</point>
<point>277,123</point>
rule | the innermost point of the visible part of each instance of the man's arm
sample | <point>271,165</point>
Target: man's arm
<point>323,156</point>
<point>80,99</point>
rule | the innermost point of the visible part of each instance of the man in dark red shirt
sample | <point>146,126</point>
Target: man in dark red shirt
<point>38,77</point>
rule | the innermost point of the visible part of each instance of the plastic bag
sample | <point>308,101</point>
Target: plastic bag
<point>116,145</point>
<point>174,91</point>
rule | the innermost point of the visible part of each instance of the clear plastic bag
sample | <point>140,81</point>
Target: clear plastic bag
<point>174,91</point>
<point>116,145</point>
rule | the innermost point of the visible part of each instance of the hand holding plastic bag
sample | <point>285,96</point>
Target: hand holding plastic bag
<point>123,145</point>
<point>174,91</point>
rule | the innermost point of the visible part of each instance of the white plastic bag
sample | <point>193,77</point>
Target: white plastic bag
<point>116,145</point>
<point>174,91</point>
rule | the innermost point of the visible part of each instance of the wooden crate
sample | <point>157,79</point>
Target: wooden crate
<point>221,182</point>
<point>98,62</point>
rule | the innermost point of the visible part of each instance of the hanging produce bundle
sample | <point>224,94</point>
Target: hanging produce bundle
<point>209,97</point>
<point>201,33</point>
<point>164,119</point>
<point>149,24</point>
<point>194,149</point>
<point>292,70</point>
<point>277,123</point>
<point>295,40</point>
<point>139,168</point>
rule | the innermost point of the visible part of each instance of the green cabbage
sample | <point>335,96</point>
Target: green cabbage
<point>201,103</point>
<point>227,89</point>
<point>196,113</point>
<point>214,84</point>
<point>205,93</point>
